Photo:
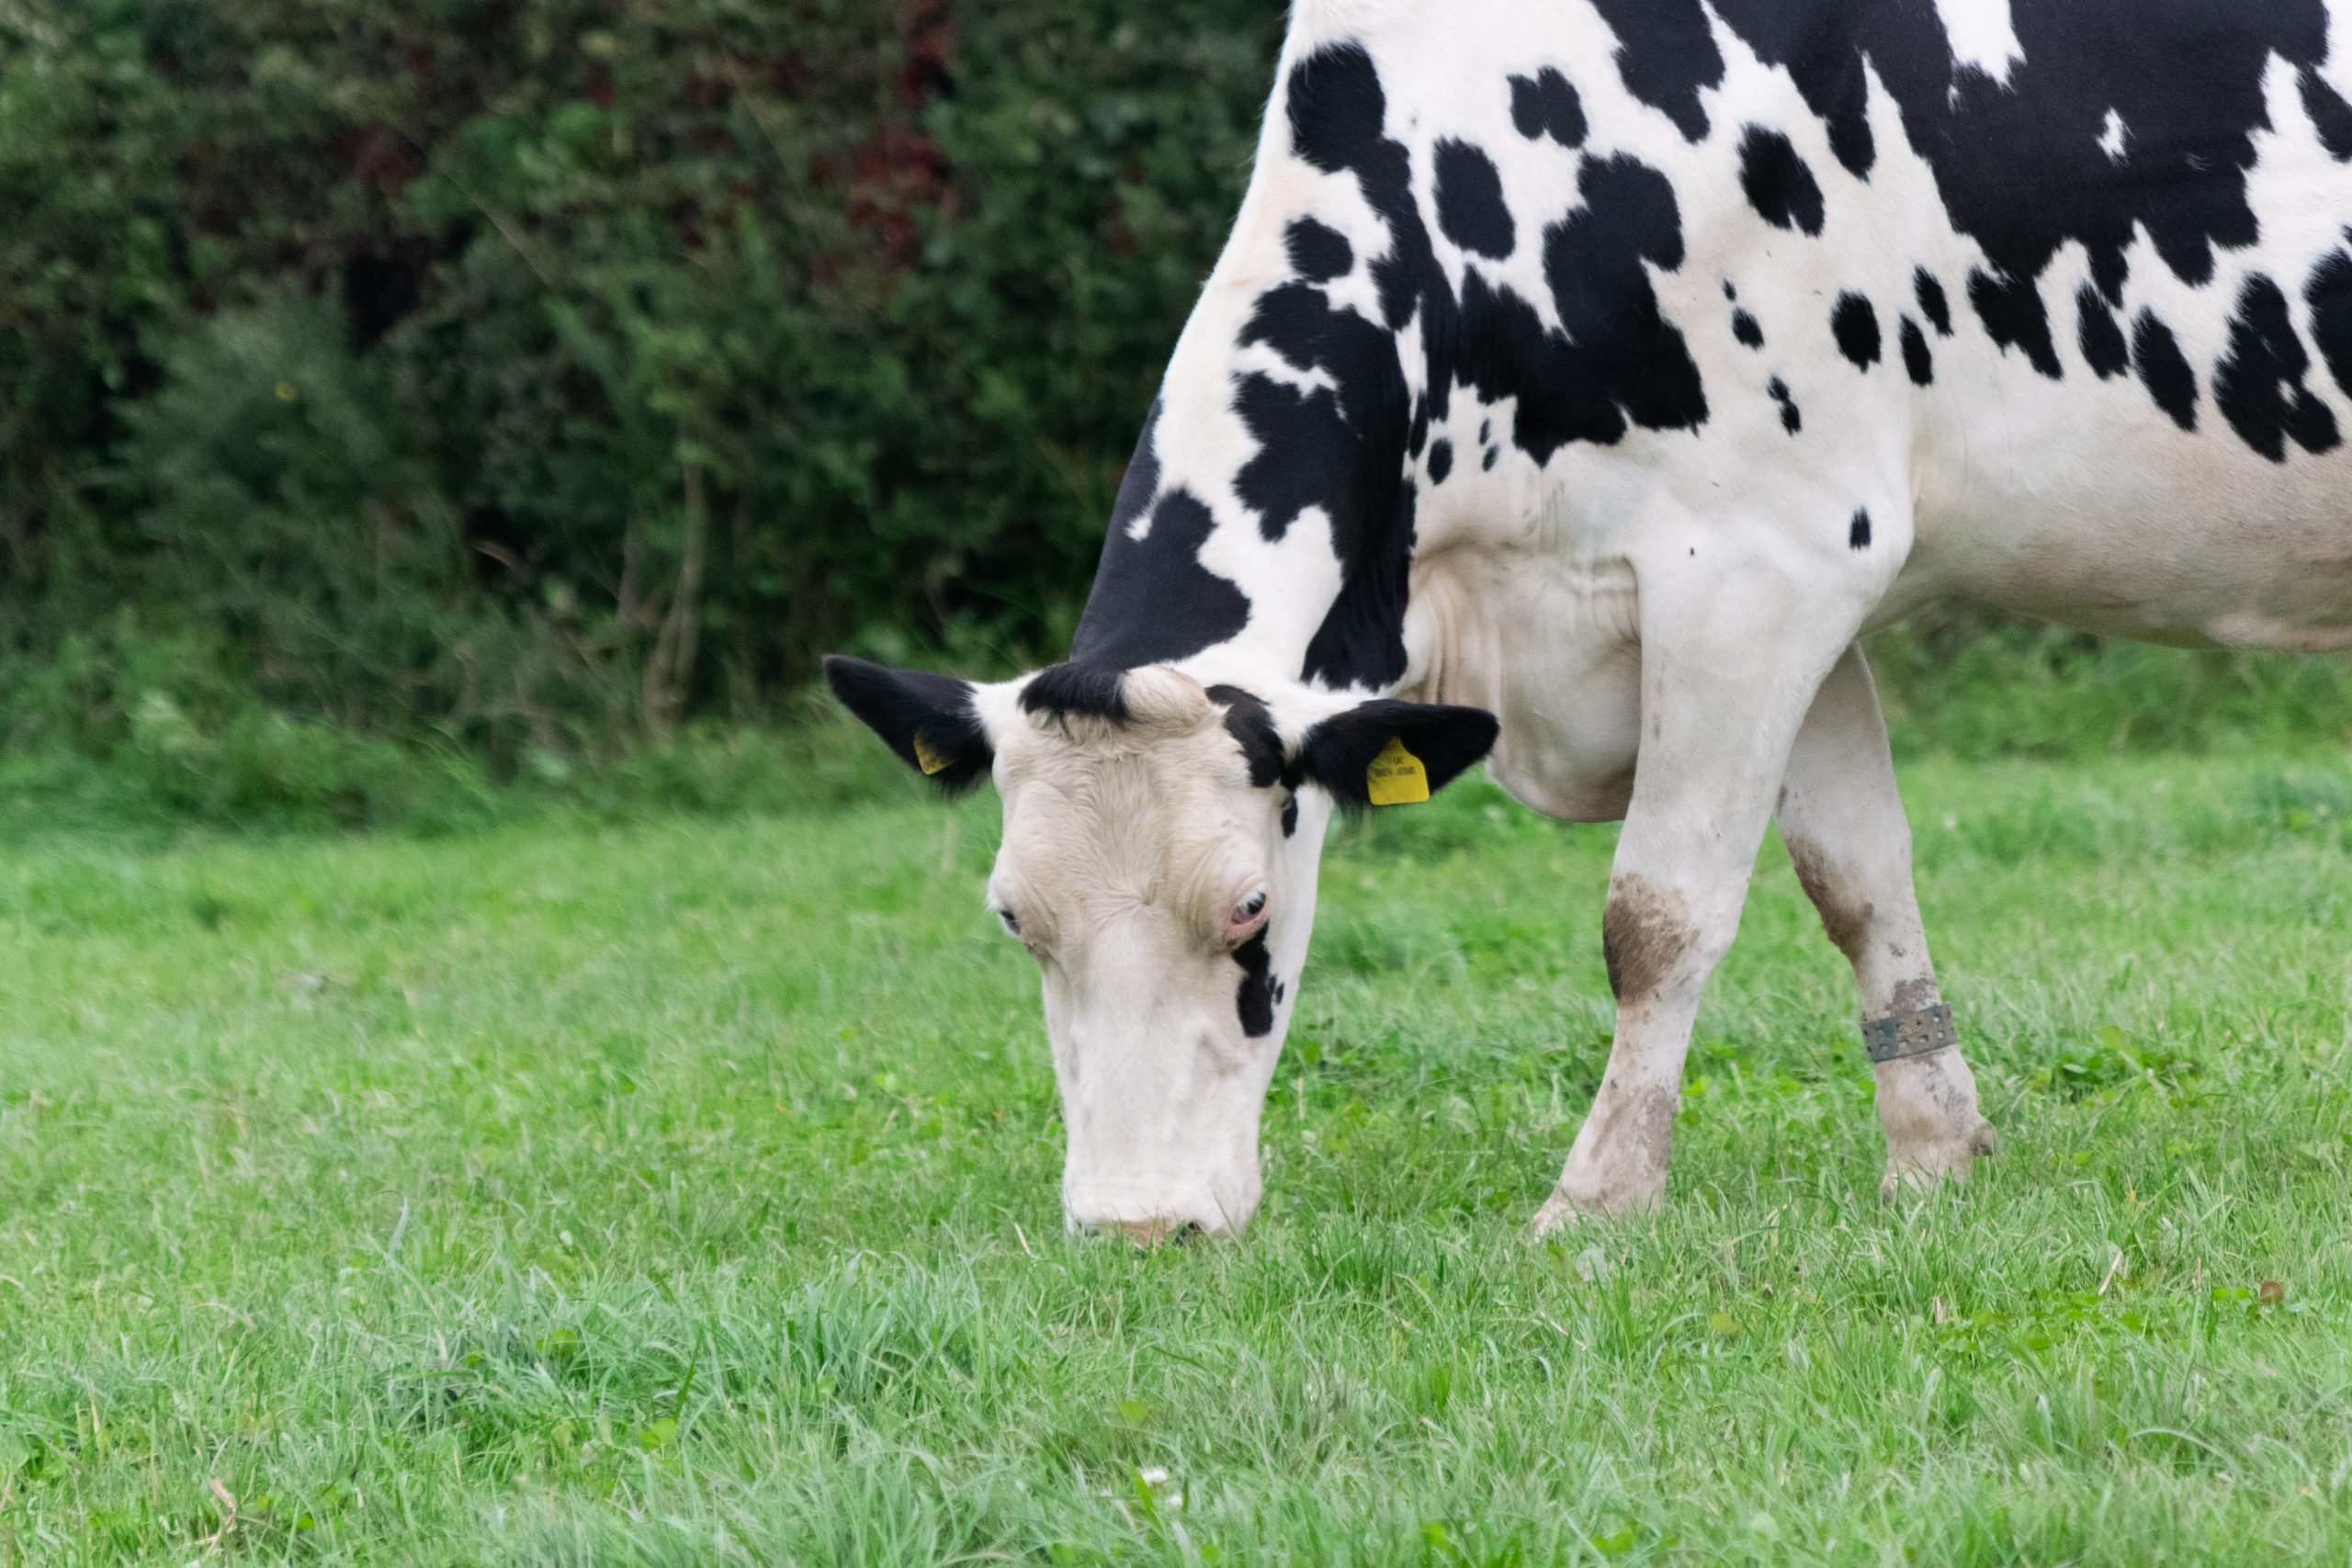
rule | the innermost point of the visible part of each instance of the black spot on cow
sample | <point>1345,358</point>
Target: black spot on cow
<point>1855,326</point>
<point>1338,448</point>
<point>1441,462</point>
<point>2331,116</point>
<point>1917,363</point>
<point>1820,46</point>
<point>1247,720</point>
<point>1778,185</point>
<point>1485,431</point>
<point>1364,629</point>
<point>1546,105</point>
<point>1748,328</point>
<point>1290,815</point>
<point>1730,291</point>
<point>2098,335</point>
<point>1094,691</point>
<point>2329,294</point>
<point>1341,450</point>
<point>2163,370</point>
<point>1153,601</point>
<point>2011,310</point>
<point>1790,420</point>
<point>1470,208</point>
<point>1858,530</point>
<point>1619,361</point>
<point>1255,998</point>
<point>2258,386</point>
<point>1932,303</point>
<point>1318,251</point>
<point>1486,463</point>
<point>1338,113</point>
<point>1665,55</point>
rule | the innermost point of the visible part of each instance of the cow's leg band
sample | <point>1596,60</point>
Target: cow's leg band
<point>1918,1033</point>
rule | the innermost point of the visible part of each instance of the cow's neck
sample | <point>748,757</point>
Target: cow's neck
<point>1266,522</point>
<point>1266,519</point>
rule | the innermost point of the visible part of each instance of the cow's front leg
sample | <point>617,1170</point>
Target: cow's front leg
<point>1842,818</point>
<point>1729,669</point>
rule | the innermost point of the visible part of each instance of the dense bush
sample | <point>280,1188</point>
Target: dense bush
<point>543,372</point>
<point>520,380</point>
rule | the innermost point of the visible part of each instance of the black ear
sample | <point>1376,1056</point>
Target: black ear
<point>927,719</point>
<point>1390,753</point>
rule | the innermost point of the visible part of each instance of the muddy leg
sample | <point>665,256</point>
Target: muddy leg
<point>1842,818</point>
<point>1729,669</point>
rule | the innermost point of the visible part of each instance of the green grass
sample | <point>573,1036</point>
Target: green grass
<point>683,1192</point>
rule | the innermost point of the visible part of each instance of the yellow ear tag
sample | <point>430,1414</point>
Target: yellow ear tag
<point>927,757</point>
<point>1396,776</point>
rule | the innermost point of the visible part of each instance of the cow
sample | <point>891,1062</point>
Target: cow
<point>1581,380</point>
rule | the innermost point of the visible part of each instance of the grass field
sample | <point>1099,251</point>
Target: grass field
<point>684,1192</point>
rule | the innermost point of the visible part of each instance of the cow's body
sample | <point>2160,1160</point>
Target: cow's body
<point>1704,242</point>
<point>1613,365</point>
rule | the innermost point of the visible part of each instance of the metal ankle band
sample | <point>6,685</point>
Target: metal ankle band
<point>1905,1034</point>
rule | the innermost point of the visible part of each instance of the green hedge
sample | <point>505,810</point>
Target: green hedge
<point>543,372</point>
<point>521,378</point>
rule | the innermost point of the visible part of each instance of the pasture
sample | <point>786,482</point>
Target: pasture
<point>684,1192</point>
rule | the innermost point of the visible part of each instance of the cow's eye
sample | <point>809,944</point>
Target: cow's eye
<point>1248,911</point>
<point>1012,922</point>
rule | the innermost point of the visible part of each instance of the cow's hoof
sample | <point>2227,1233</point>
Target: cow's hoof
<point>1617,1164</point>
<point>1924,1168</point>
<point>1559,1213</point>
<point>1563,1209</point>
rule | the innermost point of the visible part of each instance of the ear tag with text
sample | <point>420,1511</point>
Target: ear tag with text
<point>927,757</point>
<point>1396,776</point>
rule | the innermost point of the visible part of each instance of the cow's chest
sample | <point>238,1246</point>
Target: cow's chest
<point>1548,641</point>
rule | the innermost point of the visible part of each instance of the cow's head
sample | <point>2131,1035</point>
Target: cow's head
<point>1158,860</point>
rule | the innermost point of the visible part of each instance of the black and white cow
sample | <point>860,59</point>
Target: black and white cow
<point>1607,367</point>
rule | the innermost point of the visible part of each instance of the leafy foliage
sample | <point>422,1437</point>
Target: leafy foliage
<point>543,373</point>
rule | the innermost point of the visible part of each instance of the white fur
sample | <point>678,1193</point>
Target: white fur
<point>1982,34</point>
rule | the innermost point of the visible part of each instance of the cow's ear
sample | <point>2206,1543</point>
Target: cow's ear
<point>1390,753</point>
<point>929,720</point>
